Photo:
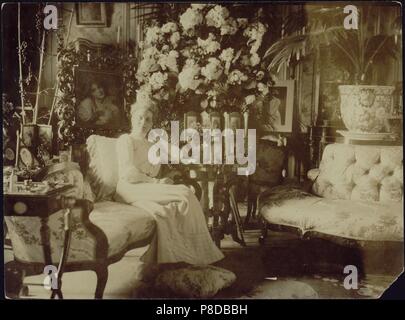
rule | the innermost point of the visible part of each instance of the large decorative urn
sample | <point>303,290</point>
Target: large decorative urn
<point>365,108</point>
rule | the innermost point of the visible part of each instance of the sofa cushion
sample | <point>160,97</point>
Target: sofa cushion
<point>124,225</point>
<point>359,172</point>
<point>102,172</point>
<point>359,220</point>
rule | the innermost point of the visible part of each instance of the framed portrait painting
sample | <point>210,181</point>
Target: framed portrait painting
<point>99,100</point>
<point>277,113</point>
<point>91,14</point>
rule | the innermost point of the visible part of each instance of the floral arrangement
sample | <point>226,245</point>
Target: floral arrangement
<point>204,60</point>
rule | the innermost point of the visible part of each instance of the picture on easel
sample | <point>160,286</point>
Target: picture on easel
<point>34,145</point>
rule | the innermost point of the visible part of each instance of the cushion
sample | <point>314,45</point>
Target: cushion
<point>359,220</point>
<point>197,281</point>
<point>124,225</point>
<point>360,172</point>
<point>102,173</point>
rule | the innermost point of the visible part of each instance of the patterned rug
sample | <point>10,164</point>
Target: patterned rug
<point>261,278</point>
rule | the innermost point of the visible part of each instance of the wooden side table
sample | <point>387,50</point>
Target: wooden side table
<point>29,204</point>
<point>224,180</point>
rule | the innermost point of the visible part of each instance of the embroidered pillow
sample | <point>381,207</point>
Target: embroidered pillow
<point>102,172</point>
<point>197,281</point>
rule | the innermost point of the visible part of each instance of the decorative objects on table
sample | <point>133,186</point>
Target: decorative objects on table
<point>208,59</point>
<point>92,14</point>
<point>34,145</point>
<point>27,146</point>
<point>45,143</point>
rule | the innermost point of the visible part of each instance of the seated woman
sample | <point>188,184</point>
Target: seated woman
<point>182,234</point>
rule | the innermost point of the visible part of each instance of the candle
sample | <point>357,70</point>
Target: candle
<point>118,34</point>
<point>17,152</point>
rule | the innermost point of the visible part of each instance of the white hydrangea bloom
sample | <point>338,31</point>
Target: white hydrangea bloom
<point>174,39</point>
<point>157,80</point>
<point>254,59</point>
<point>236,77</point>
<point>226,55</point>
<point>213,70</point>
<point>217,16</point>
<point>209,45</point>
<point>190,19</point>
<point>255,33</point>
<point>230,27</point>
<point>169,27</point>
<point>188,77</point>
<point>169,61</point>
<point>153,35</point>
<point>242,22</point>
<point>143,94</point>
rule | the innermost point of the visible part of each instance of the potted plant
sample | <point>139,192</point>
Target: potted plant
<point>364,103</point>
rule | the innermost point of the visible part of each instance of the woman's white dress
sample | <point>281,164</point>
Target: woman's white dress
<point>182,234</point>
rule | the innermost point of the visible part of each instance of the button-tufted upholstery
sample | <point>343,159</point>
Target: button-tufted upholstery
<point>357,194</point>
<point>358,172</point>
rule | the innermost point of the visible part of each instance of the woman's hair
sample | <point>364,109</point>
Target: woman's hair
<point>147,105</point>
<point>99,83</point>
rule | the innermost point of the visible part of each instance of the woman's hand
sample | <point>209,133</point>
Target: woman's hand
<point>166,181</point>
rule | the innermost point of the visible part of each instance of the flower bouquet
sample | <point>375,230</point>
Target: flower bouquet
<point>206,59</point>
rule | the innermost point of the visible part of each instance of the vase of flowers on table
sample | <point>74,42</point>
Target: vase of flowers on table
<point>205,59</point>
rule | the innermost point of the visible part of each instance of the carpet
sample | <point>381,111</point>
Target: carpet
<point>277,271</point>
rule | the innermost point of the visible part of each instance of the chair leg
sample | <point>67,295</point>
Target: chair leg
<point>248,212</point>
<point>263,236</point>
<point>102,277</point>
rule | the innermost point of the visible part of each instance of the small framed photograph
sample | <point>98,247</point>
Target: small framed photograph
<point>277,113</point>
<point>29,134</point>
<point>235,121</point>
<point>91,14</point>
<point>215,119</point>
<point>45,142</point>
<point>191,120</point>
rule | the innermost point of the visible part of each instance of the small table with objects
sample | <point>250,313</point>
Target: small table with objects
<point>40,199</point>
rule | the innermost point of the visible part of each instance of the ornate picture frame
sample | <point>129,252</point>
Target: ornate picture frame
<point>100,59</point>
<point>99,99</point>
<point>91,14</point>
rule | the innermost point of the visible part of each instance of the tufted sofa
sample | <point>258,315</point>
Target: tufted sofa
<point>356,198</point>
<point>102,230</point>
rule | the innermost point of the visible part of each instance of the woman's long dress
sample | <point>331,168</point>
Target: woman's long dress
<point>182,234</point>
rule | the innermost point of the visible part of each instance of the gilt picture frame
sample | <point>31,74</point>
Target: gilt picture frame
<point>99,99</point>
<point>91,14</point>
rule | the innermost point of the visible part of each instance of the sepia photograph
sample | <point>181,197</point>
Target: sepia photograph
<point>289,187</point>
